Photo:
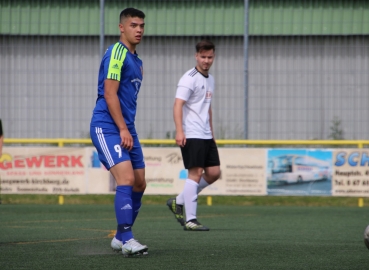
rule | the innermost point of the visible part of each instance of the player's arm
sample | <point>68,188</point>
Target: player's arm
<point>211,121</point>
<point>177,115</point>
<point>111,96</point>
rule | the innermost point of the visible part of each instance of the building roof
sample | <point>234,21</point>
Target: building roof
<point>188,18</point>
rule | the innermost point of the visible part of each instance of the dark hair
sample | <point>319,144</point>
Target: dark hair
<point>205,45</point>
<point>131,12</point>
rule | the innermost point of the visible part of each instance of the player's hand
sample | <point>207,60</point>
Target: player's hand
<point>180,139</point>
<point>127,141</point>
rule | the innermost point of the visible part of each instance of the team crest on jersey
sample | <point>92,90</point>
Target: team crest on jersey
<point>137,83</point>
<point>208,96</point>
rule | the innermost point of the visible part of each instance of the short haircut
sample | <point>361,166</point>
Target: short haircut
<point>205,45</point>
<point>131,12</point>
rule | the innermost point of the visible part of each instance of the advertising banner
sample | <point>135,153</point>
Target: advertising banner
<point>350,175</point>
<point>99,179</point>
<point>299,172</point>
<point>42,170</point>
<point>244,171</point>
<point>165,173</point>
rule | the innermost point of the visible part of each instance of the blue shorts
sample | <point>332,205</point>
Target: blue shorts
<point>107,143</point>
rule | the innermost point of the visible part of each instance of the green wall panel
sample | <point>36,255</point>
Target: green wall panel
<point>188,18</point>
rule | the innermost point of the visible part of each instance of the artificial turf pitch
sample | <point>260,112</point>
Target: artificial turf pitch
<point>240,237</point>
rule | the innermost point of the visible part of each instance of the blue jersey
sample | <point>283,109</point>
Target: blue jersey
<point>118,64</point>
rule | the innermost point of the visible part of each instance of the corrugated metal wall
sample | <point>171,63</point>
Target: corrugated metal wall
<point>298,86</point>
<point>48,85</point>
<point>301,87</point>
<point>304,82</point>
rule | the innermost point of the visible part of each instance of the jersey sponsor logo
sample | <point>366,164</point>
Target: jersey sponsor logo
<point>115,66</point>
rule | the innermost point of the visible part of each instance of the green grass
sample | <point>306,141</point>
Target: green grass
<point>77,236</point>
<point>216,200</point>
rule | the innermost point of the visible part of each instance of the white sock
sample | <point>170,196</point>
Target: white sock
<point>180,198</point>
<point>203,184</point>
<point>190,198</point>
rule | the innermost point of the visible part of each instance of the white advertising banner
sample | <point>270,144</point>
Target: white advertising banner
<point>165,173</point>
<point>42,170</point>
<point>244,171</point>
<point>350,176</point>
<point>51,170</point>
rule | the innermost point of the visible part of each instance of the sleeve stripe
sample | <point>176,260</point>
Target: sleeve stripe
<point>117,48</point>
<point>118,56</point>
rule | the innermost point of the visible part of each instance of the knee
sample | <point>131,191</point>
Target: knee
<point>125,181</point>
<point>213,175</point>
<point>219,173</point>
<point>140,186</point>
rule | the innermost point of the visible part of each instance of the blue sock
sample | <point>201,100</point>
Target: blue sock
<point>136,204</point>
<point>123,212</point>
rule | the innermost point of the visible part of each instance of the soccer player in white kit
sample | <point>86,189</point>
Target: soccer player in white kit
<point>194,134</point>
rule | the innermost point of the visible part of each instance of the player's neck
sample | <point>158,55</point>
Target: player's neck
<point>130,47</point>
<point>203,72</point>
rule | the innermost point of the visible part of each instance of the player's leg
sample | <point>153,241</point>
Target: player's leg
<point>190,195</point>
<point>139,185</point>
<point>176,204</point>
<point>116,159</point>
<point>210,159</point>
<point>179,199</point>
<point>190,192</point>
<point>194,154</point>
<point>124,209</point>
<point>137,192</point>
<point>212,165</point>
<point>211,172</point>
<point>124,176</point>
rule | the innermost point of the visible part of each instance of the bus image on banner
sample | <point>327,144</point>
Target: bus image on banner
<point>297,169</point>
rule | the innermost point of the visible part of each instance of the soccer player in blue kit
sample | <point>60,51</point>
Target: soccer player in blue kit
<point>113,130</point>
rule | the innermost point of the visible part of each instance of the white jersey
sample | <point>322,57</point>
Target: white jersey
<point>197,90</point>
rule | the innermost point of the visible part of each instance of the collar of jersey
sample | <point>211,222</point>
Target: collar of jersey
<point>135,54</point>
<point>201,73</point>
